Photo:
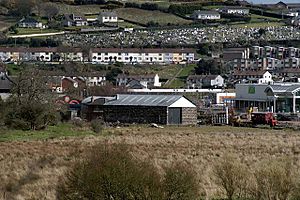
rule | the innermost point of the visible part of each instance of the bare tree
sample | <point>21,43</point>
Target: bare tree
<point>32,104</point>
<point>49,10</point>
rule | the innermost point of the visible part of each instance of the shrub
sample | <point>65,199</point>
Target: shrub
<point>97,125</point>
<point>111,172</point>
<point>180,183</point>
<point>232,176</point>
<point>274,180</point>
<point>78,122</point>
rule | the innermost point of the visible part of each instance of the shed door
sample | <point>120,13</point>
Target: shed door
<point>174,116</point>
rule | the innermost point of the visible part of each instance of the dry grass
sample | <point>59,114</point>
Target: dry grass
<point>31,169</point>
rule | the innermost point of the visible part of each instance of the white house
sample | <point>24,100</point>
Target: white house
<point>108,17</point>
<point>148,80</point>
<point>135,55</point>
<point>267,78</point>
<point>206,15</point>
<point>29,23</point>
<point>204,81</point>
<point>253,76</point>
<point>74,20</point>
<point>235,10</point>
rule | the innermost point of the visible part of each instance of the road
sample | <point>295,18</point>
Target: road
<point>37,35</point>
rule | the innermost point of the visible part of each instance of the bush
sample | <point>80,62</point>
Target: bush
<point>97,125</point>
<point>78,122</point>
<point>232,176</point>
<point>111,172</point>
<point>274,180</point>
<point>180,183</point>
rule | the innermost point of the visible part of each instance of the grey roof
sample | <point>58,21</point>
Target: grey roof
<point>91,99</point>
<point>29,21</point>
<point>144,100</point>
<point>288,88</point>
<point>108,14</point>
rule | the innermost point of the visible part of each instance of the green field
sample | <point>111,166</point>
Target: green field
<point>145,16</point>
<point>82,9</point>
<point>61,130</point>
<point>25,31</point>
<point>164,71</point>
<point>6,22</point>
<point>258,24</point>
<point>260,18</point>
<point>180,79</point>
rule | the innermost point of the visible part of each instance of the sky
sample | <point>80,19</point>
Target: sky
<point>273,1</point>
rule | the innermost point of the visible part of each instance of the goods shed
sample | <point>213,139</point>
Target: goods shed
<point>160,109</point>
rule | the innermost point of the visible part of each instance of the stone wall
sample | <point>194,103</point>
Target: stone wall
<point>189,116</point>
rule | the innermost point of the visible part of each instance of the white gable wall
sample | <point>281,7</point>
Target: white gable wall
<point>182,103</point>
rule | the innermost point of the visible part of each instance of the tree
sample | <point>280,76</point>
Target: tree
<point>24,7</point>
<point>31,105</point>
<point>49,10</point>
<point>210,66</point>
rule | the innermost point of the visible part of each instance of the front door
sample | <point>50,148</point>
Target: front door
<point>174,116</point>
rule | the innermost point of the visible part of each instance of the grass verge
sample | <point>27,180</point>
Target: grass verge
<point>61,130</point>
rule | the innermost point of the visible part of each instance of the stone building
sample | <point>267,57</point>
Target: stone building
<point>127,108</point>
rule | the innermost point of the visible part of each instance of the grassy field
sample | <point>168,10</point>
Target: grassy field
<point>31,165</point>
<point>180,80</point>
<point>259,18</point>
<point>62,130</point>
<point>258,24</point>
<point>6,22</point>
<point>145,16</point>
<point>25,31</point>
<point>164,71</point>
<point>82,9</point>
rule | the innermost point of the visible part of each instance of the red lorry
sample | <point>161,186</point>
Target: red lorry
<point>256,118</point>
<point>263,118</point>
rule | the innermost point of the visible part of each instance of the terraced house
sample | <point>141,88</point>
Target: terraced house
<point>43,54</point>
<point>135,55</point>
<point>97,55</point>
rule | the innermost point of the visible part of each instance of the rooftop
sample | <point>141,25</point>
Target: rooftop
<point>144,100</point>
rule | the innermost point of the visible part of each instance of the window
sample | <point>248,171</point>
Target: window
<point>119,54</point>
<point>99,54</point>
<point>106,54</point>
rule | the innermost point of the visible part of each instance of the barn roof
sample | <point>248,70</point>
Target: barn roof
<point>144,100</point>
